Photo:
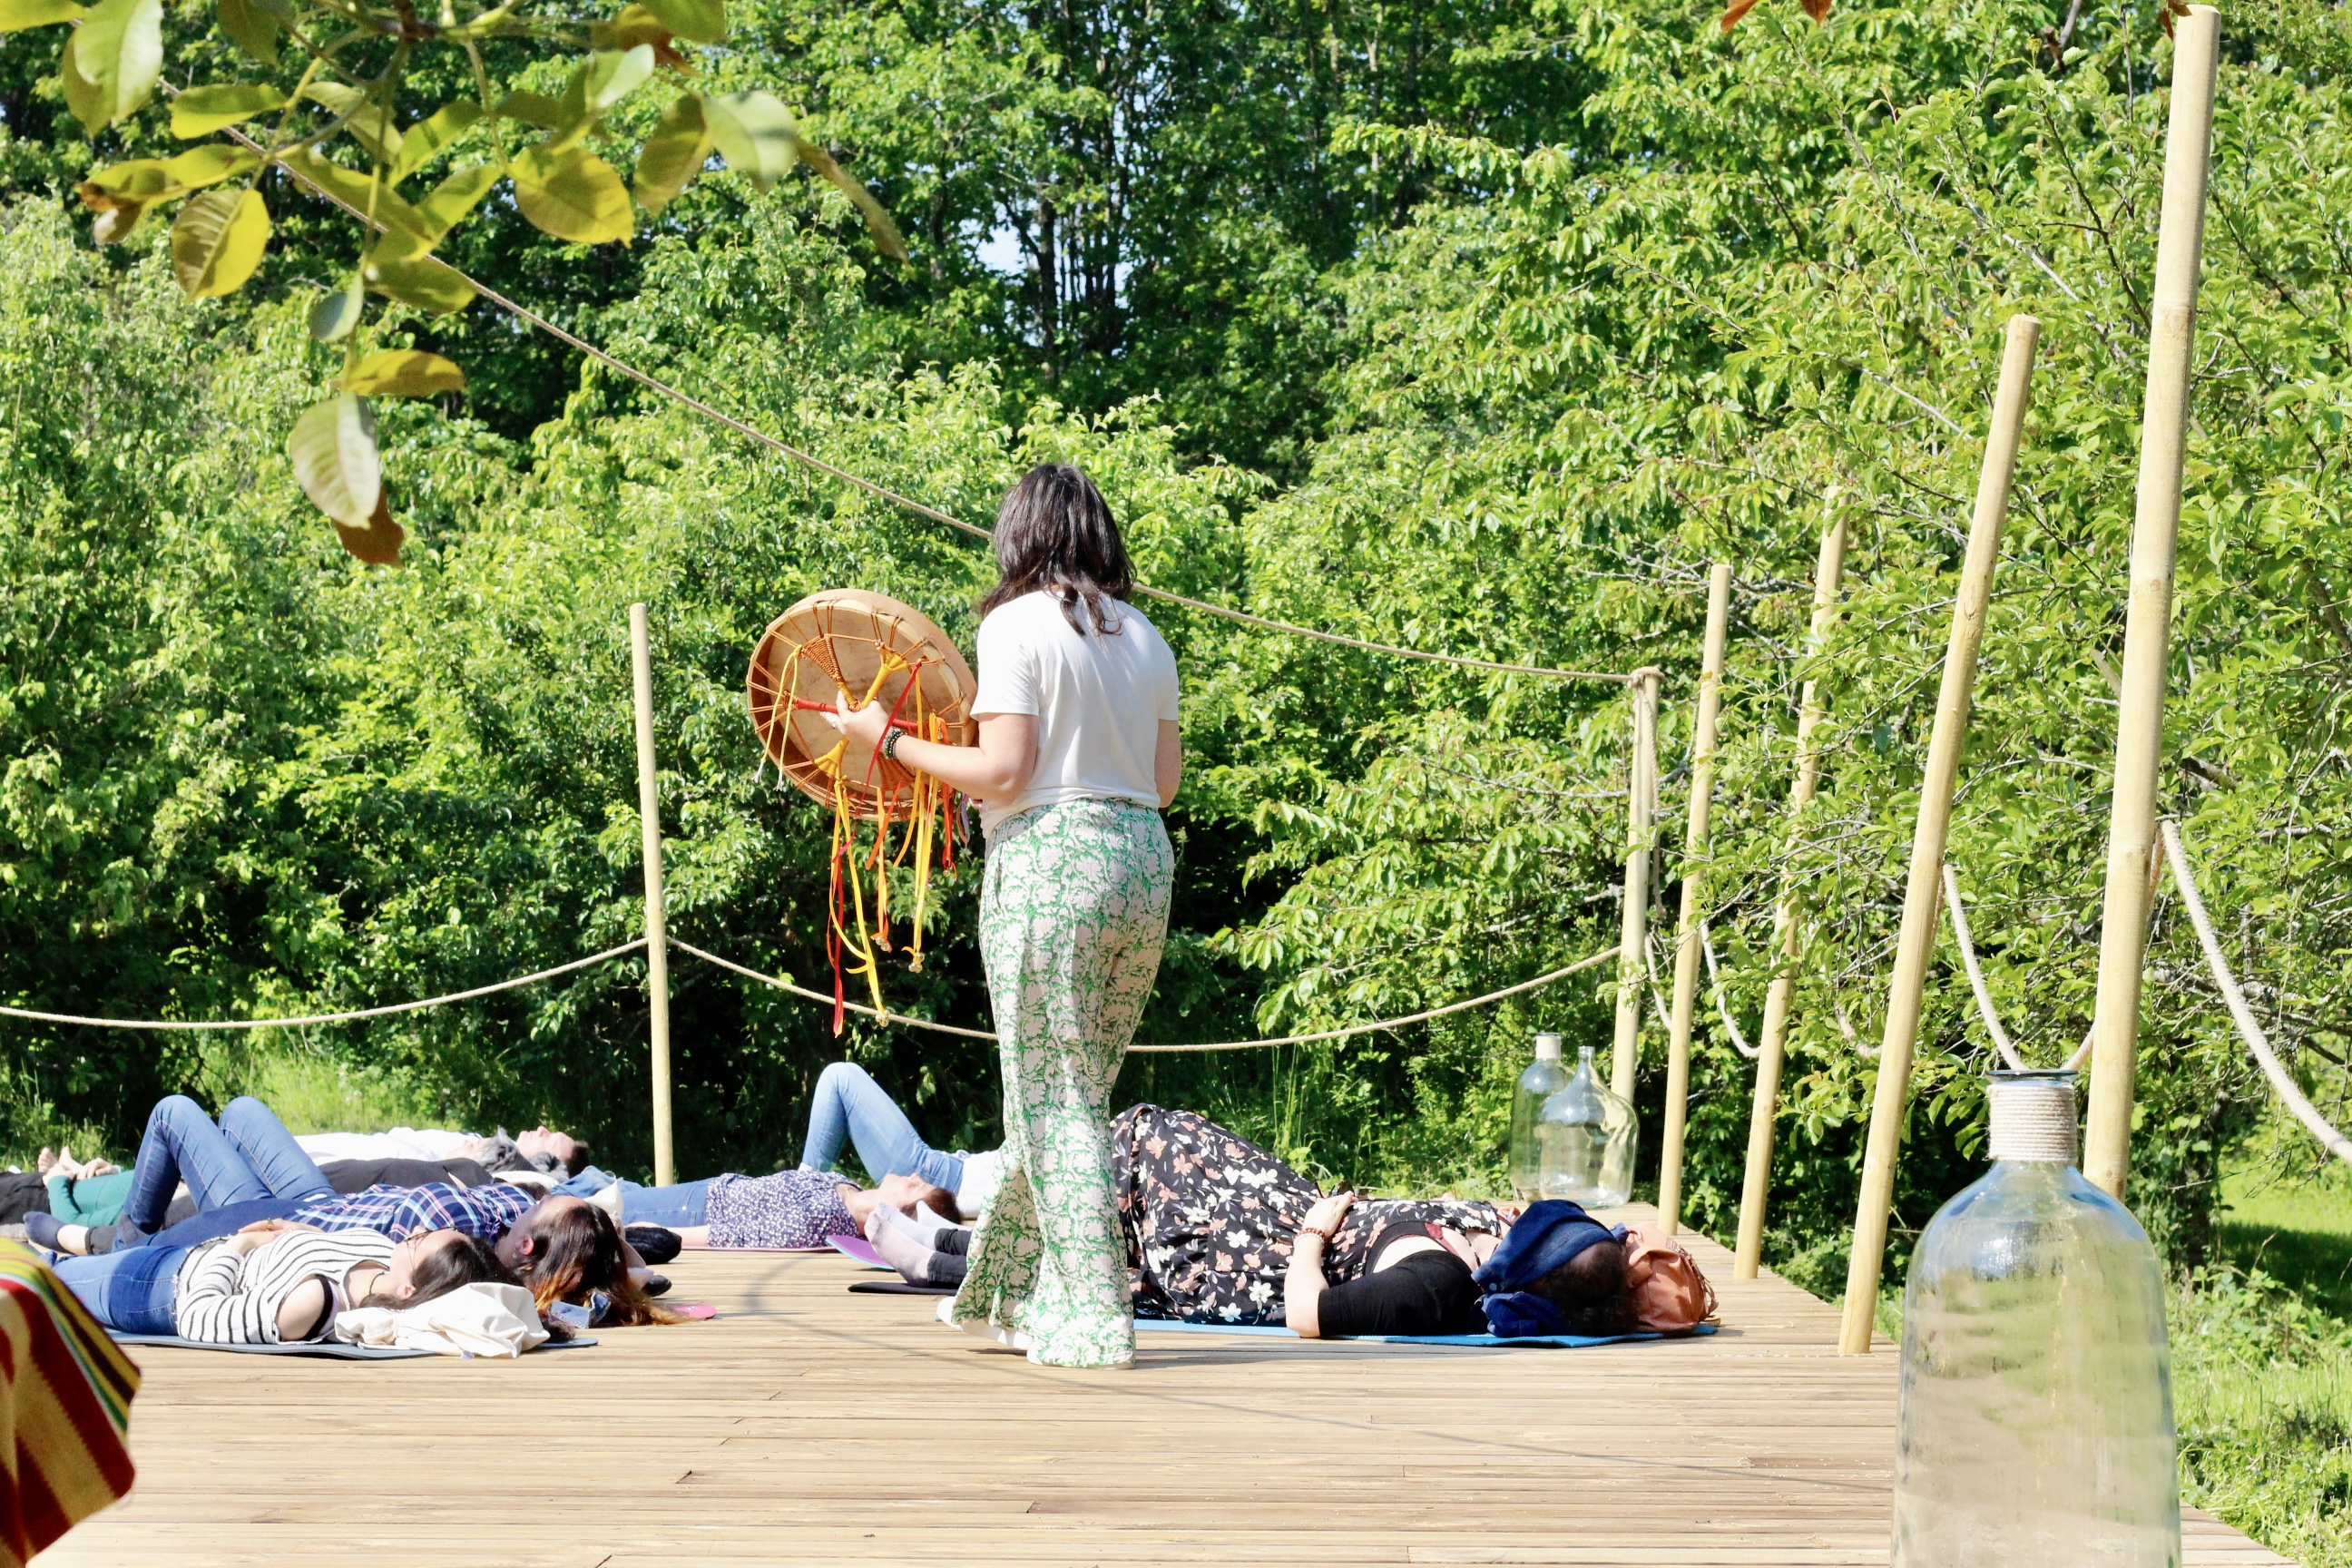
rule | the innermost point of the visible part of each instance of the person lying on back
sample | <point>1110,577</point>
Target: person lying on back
<point>794,1210</point>
<point>247,1171</point>
<point>277,1284</point>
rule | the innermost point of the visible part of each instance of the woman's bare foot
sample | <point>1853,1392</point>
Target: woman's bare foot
<point>47,1161</point>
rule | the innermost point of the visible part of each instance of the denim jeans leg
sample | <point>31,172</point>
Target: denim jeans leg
<point>272,1150</point>
<point>847,1099</point>
<point>182,1143</point>
<point>131,1291</point>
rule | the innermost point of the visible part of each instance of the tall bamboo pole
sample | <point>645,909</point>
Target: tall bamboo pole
<point>1756,1190</point>
<point>1702,803</point>
<point>1640,809</point>
<point>1921,897</point>
<point>641,669</point>
<point>2139,718</point>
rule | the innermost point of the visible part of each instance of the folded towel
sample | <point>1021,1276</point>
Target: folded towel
<point>480,1320</point>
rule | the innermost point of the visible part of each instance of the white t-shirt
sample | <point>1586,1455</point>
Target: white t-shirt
<point>1099,700</point>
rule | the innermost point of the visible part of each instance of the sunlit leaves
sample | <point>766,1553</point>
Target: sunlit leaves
<point>753,132</point>
<point>201,111</point>
<point>217,240</point>
<point>531,108</point>
<point>420,280</point>
<point>112,59</point>
<point>701,21</point>
<point>378,541</point>
<point>430,137</point>
<point>121,193</point>
<point>454,197</point>
<point>334,313</point>
<point>403,373</point>
<point>673,154</point>
<point>18,15</point>
<point>877,222</point>
<point>253,24</point>
<point>333,447</point>
<point>367,121</point>
<point>572,194</point>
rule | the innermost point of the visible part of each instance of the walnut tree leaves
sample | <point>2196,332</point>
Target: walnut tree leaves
<point>413,173</point>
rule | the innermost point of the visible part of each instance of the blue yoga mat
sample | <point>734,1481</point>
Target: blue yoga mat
<point>1475,1342</point>
<point>330,1350</point>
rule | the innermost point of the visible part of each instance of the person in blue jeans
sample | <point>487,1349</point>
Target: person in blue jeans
<point>849,1107</point>
<point>244,1169</point>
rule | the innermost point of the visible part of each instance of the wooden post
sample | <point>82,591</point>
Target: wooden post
<point>1923,894</point>
<point>641,664</point>
<point>1756,1190</point>
<point>2139,718</point>
<point>1641,807</point>
<point>1702,802</point>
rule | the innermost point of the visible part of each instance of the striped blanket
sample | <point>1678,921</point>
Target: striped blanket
<point>65,1409</point>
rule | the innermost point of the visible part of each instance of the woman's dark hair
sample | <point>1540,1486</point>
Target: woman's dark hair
<point>1593,1290</point>
<point>1055,532</point>
<point>577,1250</point>
<point>462,1260</point>
<point>579,1158</point>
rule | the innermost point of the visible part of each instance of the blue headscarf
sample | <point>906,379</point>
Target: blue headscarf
<point>1547,1235</point>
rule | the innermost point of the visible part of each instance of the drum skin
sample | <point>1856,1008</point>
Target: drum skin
<point>841,635</point>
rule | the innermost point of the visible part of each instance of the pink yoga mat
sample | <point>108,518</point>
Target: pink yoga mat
<point>858,1247</point>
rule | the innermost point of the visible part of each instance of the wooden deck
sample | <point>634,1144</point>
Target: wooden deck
<point>808,1426</point>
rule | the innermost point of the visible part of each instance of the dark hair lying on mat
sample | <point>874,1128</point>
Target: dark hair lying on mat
<point>576,1252</point>
<point>1593,1290</point>
<point>1055,532</point>
<point>461,1260</point>
<point>577,1161</point>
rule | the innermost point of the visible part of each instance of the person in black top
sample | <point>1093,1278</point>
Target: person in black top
<point>1423,1279</point>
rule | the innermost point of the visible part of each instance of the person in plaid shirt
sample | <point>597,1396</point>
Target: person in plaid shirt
<point>400,1213</point>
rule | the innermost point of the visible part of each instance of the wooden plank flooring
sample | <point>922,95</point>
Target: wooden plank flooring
<point>808,1426</point>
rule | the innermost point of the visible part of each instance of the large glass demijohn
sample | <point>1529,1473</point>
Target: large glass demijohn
<point>2035,1429</point>
<point>1584,1141</point>
<point>1544,1078</point>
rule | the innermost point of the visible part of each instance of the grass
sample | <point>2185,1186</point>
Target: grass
<point>2261,1351</point>
<point>311,1092</point>
<point>2262,1356</point>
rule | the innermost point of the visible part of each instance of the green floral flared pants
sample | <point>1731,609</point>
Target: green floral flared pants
<point>1072,914</point>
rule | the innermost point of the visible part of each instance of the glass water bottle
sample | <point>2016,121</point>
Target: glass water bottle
<point>1544,1078</point>
<point>2035,1425</point>
<point>1584,1141</point>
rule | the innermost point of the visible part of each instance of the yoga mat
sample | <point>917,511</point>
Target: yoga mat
<point>857,1246</point>
<point>332,1349</point>
<point>900,1288</point>
<point>1477,1341</point>
<point>802,1250</point>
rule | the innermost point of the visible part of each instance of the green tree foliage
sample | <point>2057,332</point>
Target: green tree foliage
<point>1507,347</point>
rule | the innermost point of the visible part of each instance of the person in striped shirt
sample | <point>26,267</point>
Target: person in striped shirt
<point>280,1283</point>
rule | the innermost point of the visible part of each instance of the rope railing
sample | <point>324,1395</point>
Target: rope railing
<point>2281,1082</point>
<point>1541,980</point>
<point>1984,993</point>
<point>883,492</point>
<point>802,991</point>
<point>350,1016</point>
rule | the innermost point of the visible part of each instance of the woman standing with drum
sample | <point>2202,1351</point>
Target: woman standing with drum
<point>1078,749</point>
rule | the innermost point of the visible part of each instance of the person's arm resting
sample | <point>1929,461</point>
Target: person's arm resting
<point>1303,1283</point>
